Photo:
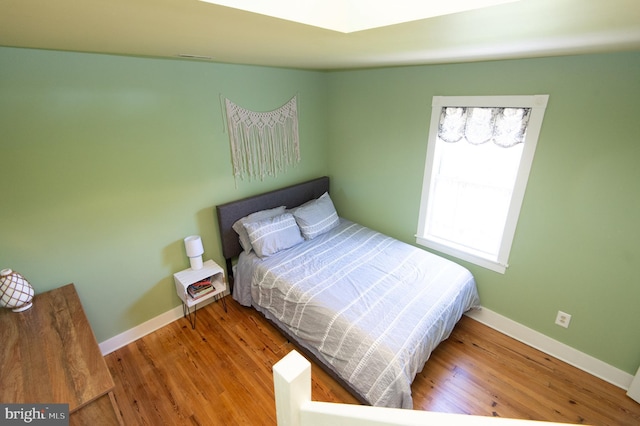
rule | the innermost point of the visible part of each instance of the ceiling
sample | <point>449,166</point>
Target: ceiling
<point>171,28</point>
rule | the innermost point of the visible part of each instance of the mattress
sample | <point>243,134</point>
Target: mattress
<point>370,307</point>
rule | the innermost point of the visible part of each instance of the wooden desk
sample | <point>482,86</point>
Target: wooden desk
<point>49,354</point>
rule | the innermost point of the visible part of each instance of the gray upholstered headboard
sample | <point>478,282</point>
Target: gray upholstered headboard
<point>290,196</point>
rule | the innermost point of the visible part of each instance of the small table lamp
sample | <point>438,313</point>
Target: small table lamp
<point>193,245</point>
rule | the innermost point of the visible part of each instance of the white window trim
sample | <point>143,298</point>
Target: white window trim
<point>538,104</point>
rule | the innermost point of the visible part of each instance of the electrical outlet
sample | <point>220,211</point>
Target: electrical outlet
<point>563,319</point>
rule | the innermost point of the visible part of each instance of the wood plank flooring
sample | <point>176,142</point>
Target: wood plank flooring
<point>220,374</point>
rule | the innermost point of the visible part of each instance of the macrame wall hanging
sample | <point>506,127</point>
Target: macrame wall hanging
<point>263,143</point>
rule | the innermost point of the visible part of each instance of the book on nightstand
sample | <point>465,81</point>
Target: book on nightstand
<point>200,288</point>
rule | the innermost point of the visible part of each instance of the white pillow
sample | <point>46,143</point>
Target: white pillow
<point>274,234</point>
<point>316,217</point>
<point>238,226</point>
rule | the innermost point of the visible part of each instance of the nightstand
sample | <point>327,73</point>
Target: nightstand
<point>184,279</point>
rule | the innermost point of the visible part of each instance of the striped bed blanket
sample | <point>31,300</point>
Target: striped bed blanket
<point>370,307</point>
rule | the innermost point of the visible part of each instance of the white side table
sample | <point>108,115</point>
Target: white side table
<point>184,279</point>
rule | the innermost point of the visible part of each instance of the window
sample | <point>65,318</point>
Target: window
<point>479,156</point>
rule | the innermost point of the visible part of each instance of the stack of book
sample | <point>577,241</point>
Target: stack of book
<point>199,289</point>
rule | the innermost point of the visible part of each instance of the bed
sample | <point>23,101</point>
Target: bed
<point>368,308</point>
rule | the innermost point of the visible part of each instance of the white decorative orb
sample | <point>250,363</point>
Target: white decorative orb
<point>15,291</point>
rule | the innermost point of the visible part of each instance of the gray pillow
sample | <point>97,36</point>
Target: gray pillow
<point>316,217</point>
<point>274,234</point>
<point>238,226</point>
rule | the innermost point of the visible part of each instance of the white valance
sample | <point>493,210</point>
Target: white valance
<point>263,143</point>
<point>477,125</point>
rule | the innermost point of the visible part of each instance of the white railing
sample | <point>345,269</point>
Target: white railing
<point>294,407</point>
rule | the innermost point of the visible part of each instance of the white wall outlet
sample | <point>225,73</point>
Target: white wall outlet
<point>563,319</point>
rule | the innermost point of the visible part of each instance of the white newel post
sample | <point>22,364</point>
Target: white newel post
<point>292,385</point>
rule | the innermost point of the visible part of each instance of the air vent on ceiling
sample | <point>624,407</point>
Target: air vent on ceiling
<point>189,56</point>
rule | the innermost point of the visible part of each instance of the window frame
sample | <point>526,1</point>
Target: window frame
<point>538,104</point>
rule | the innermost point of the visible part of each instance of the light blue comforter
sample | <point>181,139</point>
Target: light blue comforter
<point>372,307</point>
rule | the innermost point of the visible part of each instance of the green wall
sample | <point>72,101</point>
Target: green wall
<point>108,162</point>
<point>577,246</point>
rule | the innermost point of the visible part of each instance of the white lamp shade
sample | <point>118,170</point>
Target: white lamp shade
<point>193,245</point>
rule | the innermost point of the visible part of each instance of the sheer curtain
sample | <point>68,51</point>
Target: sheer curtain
<point>503,126</point>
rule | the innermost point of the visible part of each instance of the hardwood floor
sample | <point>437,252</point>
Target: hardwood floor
<point>220,374</point>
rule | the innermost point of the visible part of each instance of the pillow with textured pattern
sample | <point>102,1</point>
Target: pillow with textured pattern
<point>238,226</point>
<point>316,217</point>
<point>274,234</point>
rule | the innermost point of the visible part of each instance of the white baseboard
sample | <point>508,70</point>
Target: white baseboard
<point>634,388</point>
<point>141,330</point>
<point>486,316</point>
<point>552,347</point>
